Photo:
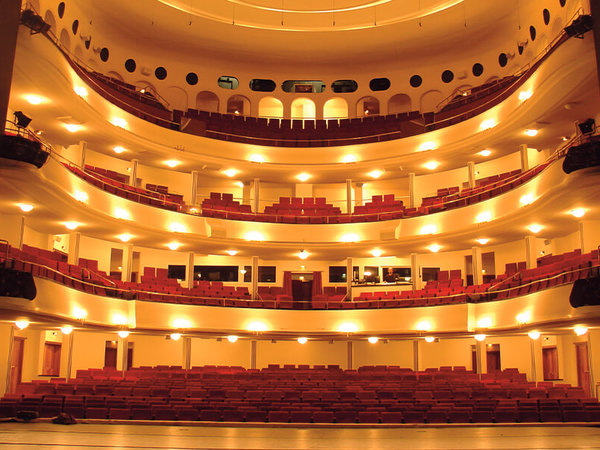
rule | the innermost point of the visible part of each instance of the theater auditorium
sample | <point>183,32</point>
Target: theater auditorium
<point>300,224</point>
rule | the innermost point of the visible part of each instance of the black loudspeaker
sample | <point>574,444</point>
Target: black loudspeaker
<point>21,119</point>
<point>580,26</point>
<point>587,127</point>
<point>585,292</point>
<point>34,22</point>
<point>20,149</point>
<point>64,419</point>
<point>27,416</point>
<point>17,284</point>
<point>582,156</point>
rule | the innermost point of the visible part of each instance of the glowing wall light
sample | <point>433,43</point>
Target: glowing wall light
<point>373,340</point>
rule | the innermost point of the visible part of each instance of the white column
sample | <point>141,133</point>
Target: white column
<point>22,233</point>
<point>255,278</point>
<point>524,157</point>
<point>82,152</point>
<point>358,194</point>
<point>68,366</point>
<point>349,196</point>
<point>194,188</point>
<point>350,349</point>
<point>530,252</point>
<point>246,193</point>
<point>187,353</point>
<point>9,359</point>
<point>481,357</point>
<point>127,263</point>
<point>133,173</point>
<point>414,272</point>
<point>122,354</point>
<point>537,363</point>
<point>253,355</point>
<point>74,242</point>
<point>256,203</point>
<point>417,344</point>
<point>189,275</point>
<point>471,173</point>
<point>349,278</point>
<point>477,265</point>
<point>411,190</point>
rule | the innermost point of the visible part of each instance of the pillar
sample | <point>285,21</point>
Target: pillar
<point>524,157</point>
<point>530,252</point>
<point>256,202</point>
<point>253,355</point>
<point>133,175</point>
<point>477,265</point>
<point>481,357</point>
<point>414,272</point>
<point>68,366</point>
<point>22,233</point>
<point>74,241</point>
<point>82,153</point>
<point>127,263</point>
<point>9,26</point>
<point>122,354</point>
<point>349,196</point>
<point>11,342</point>
<point>246,193</point>
<point>537,363</point>
<point>411,190</point>
<point>189,275</point>
<point>194,188</point>
<point>349,277</point>
<point>417,344</point>
<point>350,361</point>
<point>358,194</point>
<point>592,339</point>
<point>255,278</point>
<point>588,235</point>
<point>471,174</point>
<point>186,362</point>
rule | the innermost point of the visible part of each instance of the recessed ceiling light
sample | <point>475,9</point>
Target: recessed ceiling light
<point>71,225</point>
<point>479,337</point>
<point>73,127</point>
<point>434,248</point>
<point>485,152</point>
<point>25,207</point>
<point>373,340</point>
<point>349,159</point>
<point>231,172</point>
<point>487,124</point>
<point>531,132</point>
<point>121,213</point>
<point>376,252</point>
<point>172,163</point>
<point>239,184</point>
<point>429,339</point>
<point>535,228</point>
<point>81,91</point>
<point>580,330</point>
<point>302,340</point>
<point>527,199</point>
<point>119,122</point>
<point>67,329</point>
<point>232,338</point>
<point>535,335</point>
<point>125,237</point>
<point>375,173</point>
<point>173,245</point>
<point>175,336</point>
<point>485,216</point>
<point>118,149</point>
<point>483,241</point>
<point>21,324</point>
<point>303,177</point>
<point>81,196</point>
<point>577,212</point>
<point>524,95</point>
<point>35,99</point>
<point>303,254</point>
<point>231,252</point>
<point>427,146</point>
<point>256,158</point>
<point>431,165</point>
<point>123,334</point>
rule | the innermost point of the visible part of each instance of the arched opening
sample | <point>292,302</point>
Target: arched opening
<point>176,97</point>
<point>207,101</point>
<point>50,20</point>
<point>430,100</point>
<point>270,107</point>
<point>65,40</point>
<point>367,106</point>
<point>335,108</point>
<point>239,105</point>
<point>399,103</point>
<point>303,108</point>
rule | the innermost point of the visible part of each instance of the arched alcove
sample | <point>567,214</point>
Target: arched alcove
<point>207,101</point>
<point>399,103</point>
<point>270,107</point>
<point>430,100</point>
<point>176,97</point>
<point>335,108</point>
<point>238,104</point>
<point>367,106</point>
<point>303,108</point>
<point>50,20</point>
<point>65,40</point>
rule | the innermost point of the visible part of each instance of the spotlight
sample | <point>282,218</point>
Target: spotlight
<point>34,22</point>
<point>580,26</point>
<point>587,127</point>
<point>21,120</point>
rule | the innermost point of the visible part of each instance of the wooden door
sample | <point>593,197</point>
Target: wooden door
<point>493,361</point>
<point>110,354</point>
<point>550,363</point>
<point>16,368</point>
<point>583,368</point>
<point>51,359</point>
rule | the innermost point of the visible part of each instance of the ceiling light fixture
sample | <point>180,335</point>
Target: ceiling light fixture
<point>434,248</point>
<point>173,245</point>
<point>373,340</point>
<point>487,124</point>
<point>81,91</point>
<point>480,337</point>
<point>118,149</point>
<point>485,153</point>
<point>231,172</point>
<point>535,228</point>
<point>119,122</point>
<point>25,207</point>
<point>81,196</point>
<point>577,212</point>
<point>124,237</point>
<point>535,335</point>
<point>232,338</point>
<point>35,99</point>
<point>527,199</point>
<point>429,339</point>
<point>176,227</point>
<point>302,340</point>
<point>376,252</point>
<point>431,165</point>
<point>175,336</point>
<point>427,146</point>
<point>303,254</point>
<point>531,132</point>
<point>231,252</point>
<point>525,95</point>
<point>73,127</point>
<point>375,173</point>
<point>172,163</point>
<point>303,177</point>
<point>121,213</point>
<point>483,217</point>
<point>71,225</point>
<point>346,159</point>
<point>483,241</point>
<point>256,158</point>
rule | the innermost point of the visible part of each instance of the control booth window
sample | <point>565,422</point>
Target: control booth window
<point>267,274</point>
<point>396,274</point>
<point>429,273</point>
<point>177,272</point>
<point>216,273</point>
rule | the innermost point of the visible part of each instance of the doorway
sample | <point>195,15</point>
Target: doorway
<point>16,367</point>
<point>52,352</point>
<point>302,284</point>
<point>492,357</point>
<point>550,363</point>
<point>583,368</point>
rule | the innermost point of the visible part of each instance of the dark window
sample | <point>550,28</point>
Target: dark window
<point>61,9</point>
<point>75,26</point>
<point>477,69</point>
<point>88,43</point>
<point>267,274</point>
<point>398,273</point>
<point>546,15</point>
<point>216,273</point>
<point>341,86</point>
<point>416,81</point>
<point>562,3</point>
<point>191,79</point>
<point>379,84</point>
<point>160,73</point>
<point>303,86</point>
<point>104,54</point>
<point>337,274</point>
<point>248,274</point>
<point>261,85</point>
<point>520,48</point>
<point>502,59</point>
<point>447,76</point>
<point>130,65</point>
<point>177,272</point>
<point>228,82</point>
<point>532,32</point>
<point>429,273</point>
<point>371,273</point>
